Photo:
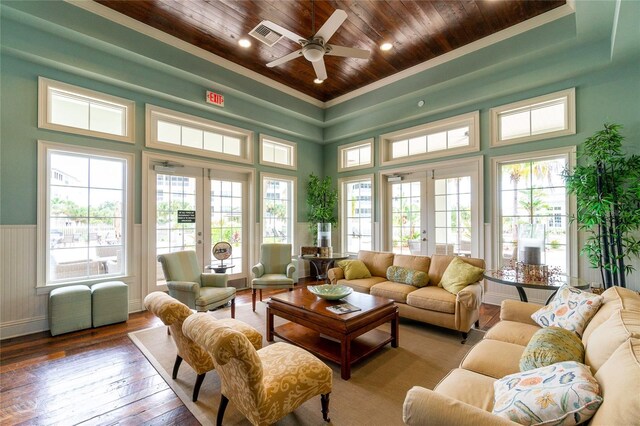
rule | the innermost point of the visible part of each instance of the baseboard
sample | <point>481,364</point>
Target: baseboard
<point>23,327</point>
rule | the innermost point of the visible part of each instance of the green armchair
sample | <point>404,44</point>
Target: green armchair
<point>275,270</point>
<point>190,286</point>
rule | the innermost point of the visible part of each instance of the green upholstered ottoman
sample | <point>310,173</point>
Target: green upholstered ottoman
<point>110,302</point>
<point>69,309</point>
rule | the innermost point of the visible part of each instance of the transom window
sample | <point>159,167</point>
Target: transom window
<point>73,109</point>
<point>278,208</point>
<point>438,139</point>
<point>356,197</point>
<point>357,155</point>
<point>538,118</point>
<point>175,131</point>
<point>277,152</point>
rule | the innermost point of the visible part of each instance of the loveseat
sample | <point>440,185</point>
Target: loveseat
<point>612,352</point>
<point>430,304</point>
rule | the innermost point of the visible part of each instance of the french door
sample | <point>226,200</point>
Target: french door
<point>193,208</point>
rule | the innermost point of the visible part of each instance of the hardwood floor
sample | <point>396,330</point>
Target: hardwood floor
<point>98,377</point>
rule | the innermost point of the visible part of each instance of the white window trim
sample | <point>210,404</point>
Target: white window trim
<point>472,119</point>
<point>43,201</point>
<point>343,207</point>
<point>44,110</point>
<point>294,152</point>
<point>294,197</point>
<point>572,233</point>
<point>342,151</point>
<point>570,118</point>
<point>153,113</point>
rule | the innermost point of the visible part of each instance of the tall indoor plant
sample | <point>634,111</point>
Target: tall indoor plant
<point>322,198</point>
<point>607,187</point>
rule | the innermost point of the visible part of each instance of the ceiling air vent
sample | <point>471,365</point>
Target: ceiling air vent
<point>265,35</point>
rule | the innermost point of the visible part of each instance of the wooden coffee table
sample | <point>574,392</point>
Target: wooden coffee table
<point>345,338</point>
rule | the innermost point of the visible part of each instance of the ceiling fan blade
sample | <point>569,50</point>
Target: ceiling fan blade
<point>332,25</point>
<point>321,71</point>
<point>283,31</point>
<point>348,52</point>
<point>285,58</point>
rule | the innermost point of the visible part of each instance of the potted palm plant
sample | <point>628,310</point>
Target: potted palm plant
<point>606,184</point>
<point>322,198</point>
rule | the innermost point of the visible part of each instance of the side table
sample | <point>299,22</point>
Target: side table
<point>323,263</point>
<point>520,283</point>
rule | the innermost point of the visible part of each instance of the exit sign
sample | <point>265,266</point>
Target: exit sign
<point>215,98</point>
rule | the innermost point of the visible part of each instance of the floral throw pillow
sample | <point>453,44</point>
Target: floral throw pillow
<point>571,309</point>
<point>564,393</point>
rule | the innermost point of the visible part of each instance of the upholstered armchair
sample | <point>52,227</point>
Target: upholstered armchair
<point>266,384</point>
<point>275,270</point>
<point>173,313</point>
<point>188,284</point>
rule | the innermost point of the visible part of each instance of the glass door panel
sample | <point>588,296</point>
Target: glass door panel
<point>227,220</point>
<point>406,217</point>
<point>452,205</point>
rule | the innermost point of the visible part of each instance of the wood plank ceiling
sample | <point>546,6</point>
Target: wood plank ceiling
<point>419,30</point>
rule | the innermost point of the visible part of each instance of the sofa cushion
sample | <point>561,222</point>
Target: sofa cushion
<point>408,276</point>
<point>354,269</point>
<point>460,274</point>
<point>564,393</point>
<point>433,299</point>
<point>619,380</point>
<point>439,263</point>
<point>512,332</point>
<point>550,345</point>
<point>469,387</point>
<point>493,358</point>
<point>362,285</point>
<point>394,291</point>
<point>614,298</point>
<point>571,309</point>
<point>419,263</point>
<point>605,339</point>
<point>377,262</point>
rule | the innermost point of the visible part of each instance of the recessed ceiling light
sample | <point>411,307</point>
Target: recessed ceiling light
<point>318,81</point>
<point>243,42</point>
<point>386,46</point>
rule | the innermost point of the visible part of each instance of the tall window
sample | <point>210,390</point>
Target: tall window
<point>278,211</point>
<point>453,215</point>
<point>538,118</point>
<point>356,155</point>
<point>86,213</point>
<point>277,152</point>
<point>357,213</point>
<point>175,131</point>
<point>533,210</point>
<point>73,109</point>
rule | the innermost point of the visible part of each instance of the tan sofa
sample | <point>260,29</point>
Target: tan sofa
<point>430,304</point>
<point>612,351</point>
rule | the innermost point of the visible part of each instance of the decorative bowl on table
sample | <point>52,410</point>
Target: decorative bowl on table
<point>330,291</point>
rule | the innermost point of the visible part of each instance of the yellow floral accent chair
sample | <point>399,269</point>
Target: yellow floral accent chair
<point>173,313</point>
<point>264,385</point>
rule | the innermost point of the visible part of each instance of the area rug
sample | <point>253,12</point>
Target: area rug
<point>373,396</point>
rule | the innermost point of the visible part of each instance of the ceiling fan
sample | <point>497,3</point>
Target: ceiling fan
<point>314,48</point>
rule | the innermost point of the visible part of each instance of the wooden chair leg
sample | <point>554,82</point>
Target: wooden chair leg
<point>261,295</point>
<point>253,299</point>
<point>223,406</point>
<point>196,387</point>
<point>176,366</point>
<point>324,400</point>
<point>233,307</point>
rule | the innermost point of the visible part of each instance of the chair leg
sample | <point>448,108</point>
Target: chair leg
<point>261,295</point>
<point>223,406</point>
<point>196,387</point>
<point>233,307</point>
<point>176,366</point>
<point>253,299</point>
<point>324,400</point>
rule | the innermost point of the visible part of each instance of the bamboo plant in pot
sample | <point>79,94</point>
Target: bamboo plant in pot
<point>606,184</point>
<point>322,198</point>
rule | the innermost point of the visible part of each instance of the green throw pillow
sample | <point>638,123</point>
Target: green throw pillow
<point>412,277</point>
<point>460,274</point>
<point>550,345</point>
<point>354,269</point>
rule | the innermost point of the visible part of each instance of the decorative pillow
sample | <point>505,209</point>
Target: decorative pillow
<point>550,345</point>
<point>407,276</point>
<point>459,274</point>
<point>354,269</point>
<point>571,309</point>
<point>564,393</point>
